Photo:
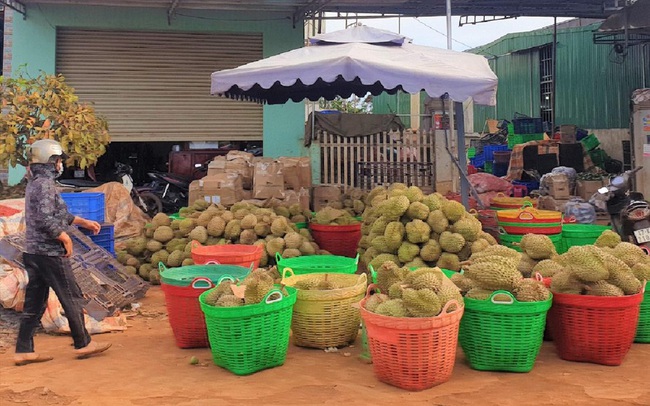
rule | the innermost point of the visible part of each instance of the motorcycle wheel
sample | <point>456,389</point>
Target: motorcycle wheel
<point>152,203</point>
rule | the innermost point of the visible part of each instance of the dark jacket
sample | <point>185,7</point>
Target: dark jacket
<point>46,214</point>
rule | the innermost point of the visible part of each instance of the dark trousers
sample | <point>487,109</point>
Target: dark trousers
<point>44,273</point>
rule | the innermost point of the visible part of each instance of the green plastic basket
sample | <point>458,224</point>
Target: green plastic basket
<point>300,226</point>
<point>643,328</point>
<point>176,216</point>
<point>590,142</point>
<point>512,241</point>
<point>250,338</point>
<point>581,234</point>
<point>317,264</point>
<point>503,335</point>
<point>192,274</point>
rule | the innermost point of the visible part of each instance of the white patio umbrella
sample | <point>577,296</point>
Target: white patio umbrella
<point>359,60</point>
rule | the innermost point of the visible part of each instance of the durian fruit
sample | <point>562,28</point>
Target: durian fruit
<point>306,284</point>
<point>130,270</point>
<point>587,263</point>
<point>417,262</point>
<point>493,276</point>
<point>449,261</point>
<point>374,301</point>
<point>233,230</point>
<point>393,308</point>
<point>479,245</point>
<point>274,246</point>
<point>380,259</point>
<point>526,265</point>
<point>530,290</point>
<point>258,285</point>
<point>448,291</point>
<point>387,274</point>
<point>641,271</point>
<point>161,219</point>
<point>425,278</point>
<point>293,240</point>
<point>144,271</point>
<point>154,246</point>
<point>187,262</point>
<point>326,284</point>
<point>463,283</point>
<point>565,282</point>
<point>421,302</point>
<point>136,246</point>
<point>630,254</point>
<point>395,290</point>
<point>163,234</point>
<point>290,253</point>
<point>451,242</point>
<point>417,231</point>
<point>199,234</point>
<point>624,279</point>
<point>498,250</point>
<point>603,288</point>
<point>479,293</point>
<point>469,227</point>
<point>229,301</point>
<point>247,237</point>
<point>154,276</point>
<point>394,207</point>
<point>133,262</point>
<point>160,256</point>
<point>407,251</point>
<point>248,222</point>
<point>488,237</point>
<point>414,194</point>
<point>537,246</point>
<point>418,210</point>
<point>453,210</point>
<point>547,268</point>
<point>437,221</point>
<point>216,226</point>
<point>431,251</point>
<point>608,239</point>
<point>394,234</point>
<point>433,201</point>
<point>175,259</point>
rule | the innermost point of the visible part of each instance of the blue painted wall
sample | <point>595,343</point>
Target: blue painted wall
<point>34,45</point>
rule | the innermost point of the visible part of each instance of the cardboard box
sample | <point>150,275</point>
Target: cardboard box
<point>558,186</point>
<point>268,179</point>
<point>224,188</point>
<point>586,188</point>
<point>297,172</point>
<point>325,194</point>
<point>217,166</point>
<point>550,203</point>
<point>568,134</point>
<point>300,197</point>
<point>241,162</point>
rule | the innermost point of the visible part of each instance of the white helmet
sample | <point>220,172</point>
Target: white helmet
<point>43,150</point>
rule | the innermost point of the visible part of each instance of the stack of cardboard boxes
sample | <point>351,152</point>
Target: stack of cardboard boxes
<point>240,176</point>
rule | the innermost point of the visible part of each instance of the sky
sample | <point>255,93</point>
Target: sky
<point>432,31</point>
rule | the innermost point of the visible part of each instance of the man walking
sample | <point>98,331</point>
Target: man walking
<point>47,249</point>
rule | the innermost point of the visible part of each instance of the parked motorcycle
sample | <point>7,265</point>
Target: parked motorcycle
<point>630,213</point>
<point>172,190</point>
<point>147,201</point>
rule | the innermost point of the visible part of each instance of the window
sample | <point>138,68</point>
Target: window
<point>546,82</point>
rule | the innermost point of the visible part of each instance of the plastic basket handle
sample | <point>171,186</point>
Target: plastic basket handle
<point>287,273</point>
<point>213,262</point>
<point>500,302</point>
<point>526,215</point>
<point>273,296</point>
<point>539,277</point>
<point>500,194</point>
<point>571,219</point>
<point>278,257</point>
<point>225,277</point>
<point>356,260</point>
<point>161,267</point>
<point>527,203</point>
<point>363,279</point>
<point>370,289</point>
<point>452,302</point>
<point>502,231</point>
<point>251,267</point>
<point>196,283</point>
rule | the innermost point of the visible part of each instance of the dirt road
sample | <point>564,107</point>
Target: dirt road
<point>144,368</point>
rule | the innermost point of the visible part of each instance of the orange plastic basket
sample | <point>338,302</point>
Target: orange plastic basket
<point>413,353</point>
<point>501,202</point>
<point>596,329</point>
<point>340,240</point>
<point>232,254</point>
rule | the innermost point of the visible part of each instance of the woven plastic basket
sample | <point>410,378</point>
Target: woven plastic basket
<point>581,234</point>
<point>513,240</point>
<point>318,264</point>
<point>643,329</point>
<point>504,335</point>
<point>185,316</point>
<point>413,353</point>
<point>326,318</point>
<point>503,202</point>
<point>597,329</point>
<point>250,338</point>
<point>232,254</point>
<point>340,240</point>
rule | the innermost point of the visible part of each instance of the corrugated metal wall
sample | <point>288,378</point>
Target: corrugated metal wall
<point>399,103</point>
<point>592,91</point>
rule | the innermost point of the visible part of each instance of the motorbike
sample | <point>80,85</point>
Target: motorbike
<point>145,200</point>
<point>629,212</point>
<point>172,190</point>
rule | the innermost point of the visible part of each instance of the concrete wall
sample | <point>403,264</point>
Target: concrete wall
<point>611,140</point>
<point>32,42</point>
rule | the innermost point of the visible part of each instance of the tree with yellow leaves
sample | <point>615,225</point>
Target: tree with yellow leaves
<point>45,107</point>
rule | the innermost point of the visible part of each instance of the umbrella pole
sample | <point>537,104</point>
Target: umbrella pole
<point>460,147</point>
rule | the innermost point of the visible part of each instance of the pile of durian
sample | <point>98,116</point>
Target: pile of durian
<point>331,216</point>
<point>252,290</point>
<point>607,268</point>
<point>352,201</point>
<point>422,292</point>
<point>496,268</point>
<point>403,225</point>
<point>170,241</point>
<point>318,282</point>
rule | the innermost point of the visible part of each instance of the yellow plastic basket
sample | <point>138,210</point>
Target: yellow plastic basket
<point>326,318</point>
<point>503,202</point>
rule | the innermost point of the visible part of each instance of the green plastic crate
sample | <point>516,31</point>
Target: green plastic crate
<point>598,156</point>
<point>317,264</point>
<point>488,166</point>
<point>516,139</point>
<point>590,142</point>
<point>471,152</point>
<point>504,335</point>
<point>250,338</point>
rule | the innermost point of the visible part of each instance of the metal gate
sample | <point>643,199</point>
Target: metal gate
<point>378,159</point>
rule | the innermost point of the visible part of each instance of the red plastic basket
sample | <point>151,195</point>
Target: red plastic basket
<point>340,240</point>
<point>185,316</point>
<point>231,254</point>
<point>597,329</point>
<point>413,353</point>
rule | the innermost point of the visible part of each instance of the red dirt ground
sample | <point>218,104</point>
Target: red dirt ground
<point>144,367</point>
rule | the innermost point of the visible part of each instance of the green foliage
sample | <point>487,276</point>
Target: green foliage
<point>353,104</point>
<point>45,107</point>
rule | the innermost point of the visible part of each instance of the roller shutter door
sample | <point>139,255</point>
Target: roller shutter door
<point>155,86</point>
